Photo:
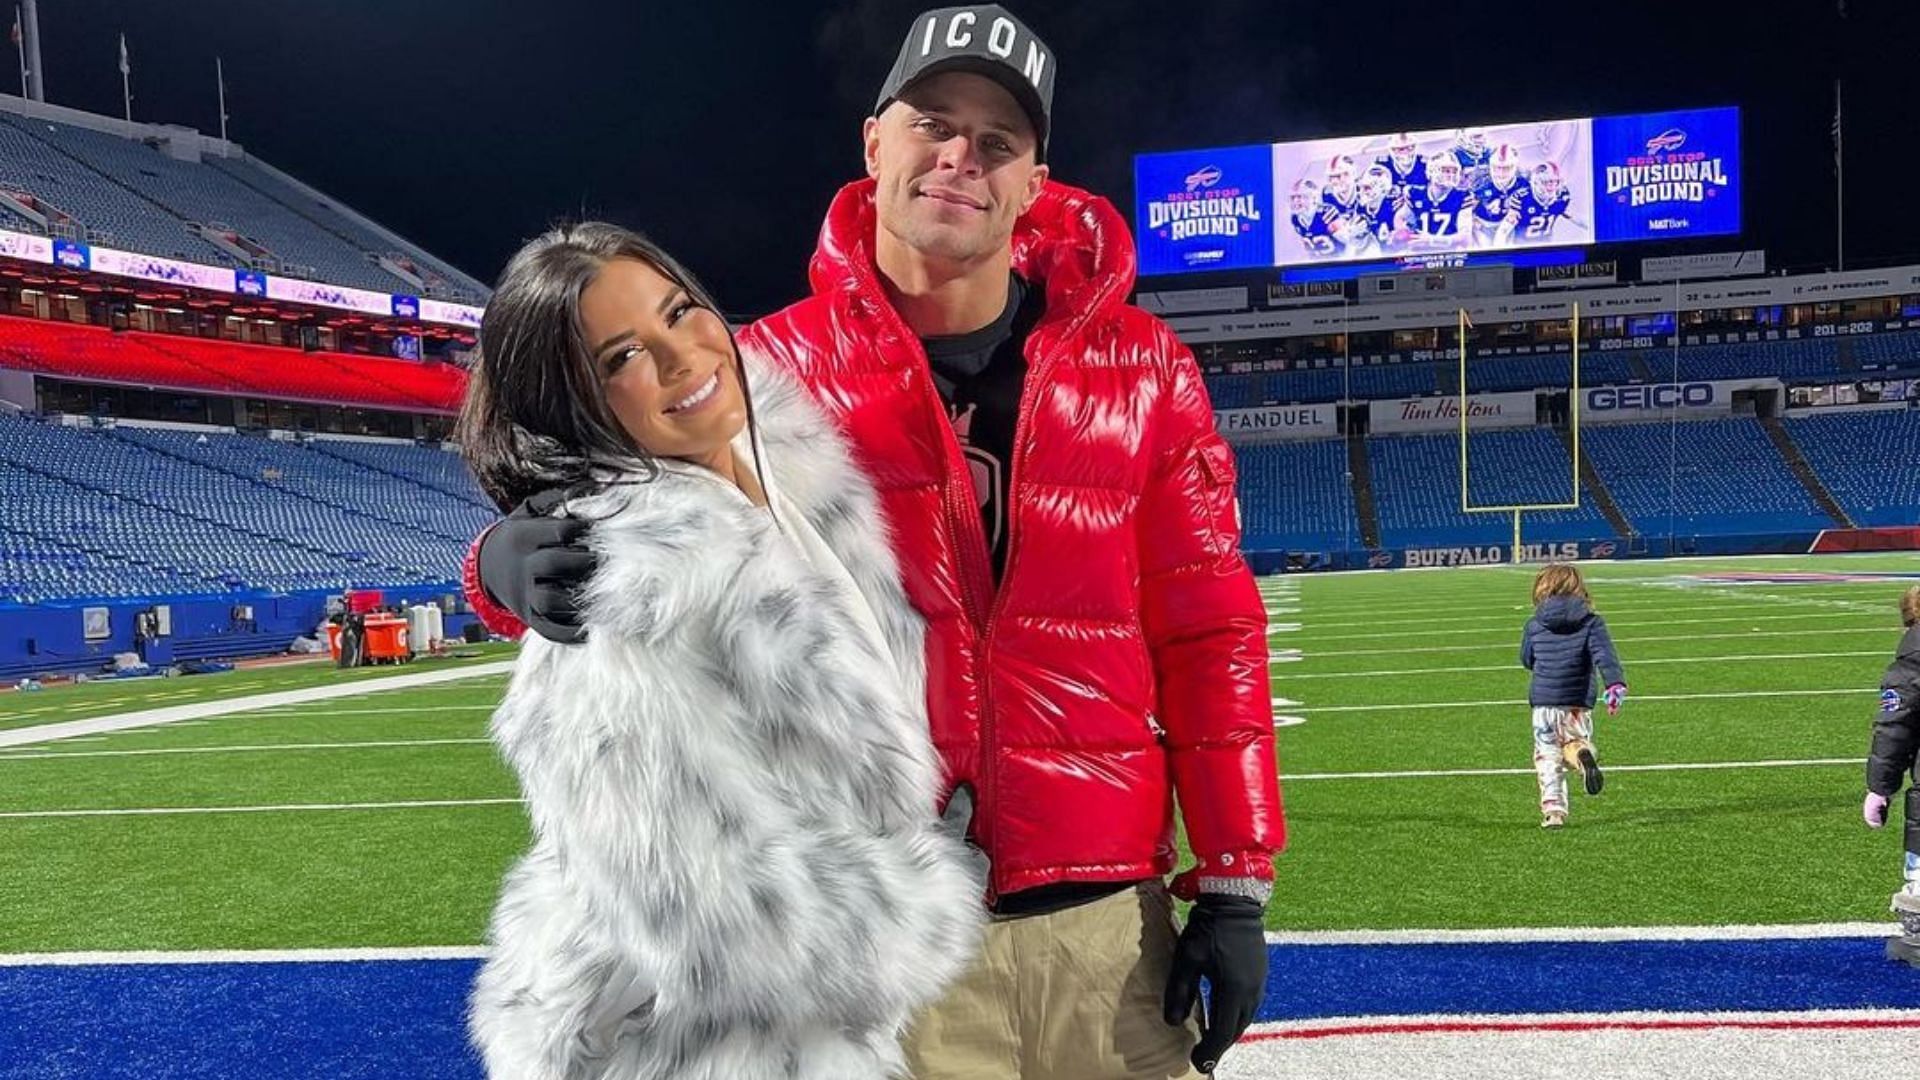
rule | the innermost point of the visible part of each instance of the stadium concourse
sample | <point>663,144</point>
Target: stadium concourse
<point>224,400</point>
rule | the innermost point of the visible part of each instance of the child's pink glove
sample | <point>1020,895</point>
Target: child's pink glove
<point>1874,810</point>
<point>1615,695</point>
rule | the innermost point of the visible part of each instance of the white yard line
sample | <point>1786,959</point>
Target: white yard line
<point>160,811</point>
<point>1522,612</point>
<point>200,710</point>
<point>1531,934</point>
<point>286,711</point>
<point>1514,646</point>
<point>1449,670</point>
<point>1490,936</point>
<point>1678,766</point>
<point>1637,698</point>
<point>242,956</point>
<point>1516,623</point>
<point>251,749</point>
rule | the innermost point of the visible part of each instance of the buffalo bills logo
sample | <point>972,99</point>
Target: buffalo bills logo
<point>1890,701</point>
<point>1667,141</point>
<point>1603,550</point>
<point>1203,178</point>
<point>1380,560</point>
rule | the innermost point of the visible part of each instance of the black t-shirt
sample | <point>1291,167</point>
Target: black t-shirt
<point>979,375</point>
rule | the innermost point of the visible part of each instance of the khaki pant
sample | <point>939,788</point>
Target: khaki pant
<point>1073,995</point>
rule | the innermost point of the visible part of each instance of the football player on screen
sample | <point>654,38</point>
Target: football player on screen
<point>1499,195</point>
<point>1338,195</point>
<point>1471,150</point>
<point>1545,201</point>
<point>1383,219</point>
<point>1313,221</point>
<point>1404,163</point>
<point>1438,209</point>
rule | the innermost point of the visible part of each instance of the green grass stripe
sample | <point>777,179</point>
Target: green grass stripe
<point>63,702</point>
<point>255,881</point>
<point>1770,846</point>
<point>428,772</point>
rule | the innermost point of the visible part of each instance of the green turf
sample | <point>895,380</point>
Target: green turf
<point>1399,672</point>
<point>105,697</point>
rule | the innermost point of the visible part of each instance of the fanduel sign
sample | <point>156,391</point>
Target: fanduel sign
<point>1274,422</point>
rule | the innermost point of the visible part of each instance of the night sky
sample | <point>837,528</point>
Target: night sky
<point>723,127</point>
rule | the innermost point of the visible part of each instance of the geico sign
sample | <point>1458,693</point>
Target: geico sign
<point>1669,396</point>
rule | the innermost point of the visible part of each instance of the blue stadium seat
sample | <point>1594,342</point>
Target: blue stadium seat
<point>1296,497</point>
<point>137,197</point>
<point>136,512</point>
<point>1867,460</point>
<point>1701,476</point>
<point>1416,488</point>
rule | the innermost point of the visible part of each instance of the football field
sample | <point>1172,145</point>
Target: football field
<point>298,888</point>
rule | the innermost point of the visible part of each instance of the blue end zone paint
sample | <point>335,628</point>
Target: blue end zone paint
<point>1315,981</point>
<point>404,1020</point>
<point>386,1020</point>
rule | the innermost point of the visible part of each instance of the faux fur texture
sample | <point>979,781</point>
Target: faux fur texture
<point>737,872</point>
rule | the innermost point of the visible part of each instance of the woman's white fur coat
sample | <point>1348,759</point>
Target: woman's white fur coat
<point>737,872</point>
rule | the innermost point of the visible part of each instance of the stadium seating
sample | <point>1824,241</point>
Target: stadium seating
<point>135,223</point>
<point>1701,476</point>
<point>331,217</point>
<point>1867,460</point>
<point>1416,488</point>
<point>136,512</point>
<point>221,367</point>
<point>1888,352</point>
<point>139,198</point>
<point>1295,496</point>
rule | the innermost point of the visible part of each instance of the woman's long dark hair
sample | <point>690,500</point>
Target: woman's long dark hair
<point>536,416</point>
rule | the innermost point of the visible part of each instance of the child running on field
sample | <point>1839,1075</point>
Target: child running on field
<point>1564,643</point>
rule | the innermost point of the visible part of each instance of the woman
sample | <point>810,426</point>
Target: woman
<point>736,870</point>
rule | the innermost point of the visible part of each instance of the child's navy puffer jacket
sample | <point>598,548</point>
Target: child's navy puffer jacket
<point>1564,643</point>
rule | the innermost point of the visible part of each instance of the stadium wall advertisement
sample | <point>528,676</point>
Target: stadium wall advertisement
<point>1273,423</point>
<point>1443,413</point>
<point>1194,301</point>
<point>1616,404</point>
<point>76,256</point>
<point>1418,194</point>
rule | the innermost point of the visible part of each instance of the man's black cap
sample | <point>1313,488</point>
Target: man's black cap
<point>986,40</point>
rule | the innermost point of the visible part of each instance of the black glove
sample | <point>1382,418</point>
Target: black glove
<point>532,565</point>
<point>1226,941</point>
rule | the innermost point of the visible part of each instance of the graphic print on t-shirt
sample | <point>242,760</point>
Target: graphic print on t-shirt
<point>986,470</point>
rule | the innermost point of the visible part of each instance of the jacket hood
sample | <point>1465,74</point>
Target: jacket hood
<point>1563,614</point>
<point>1910,643</point>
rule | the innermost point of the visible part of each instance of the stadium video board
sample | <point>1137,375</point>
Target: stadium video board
<point>1508,187</point>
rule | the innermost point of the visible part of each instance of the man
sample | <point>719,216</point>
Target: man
<point>1064,515</point>
<point>1404,162</point>
<point>1439,207</point>
<point>1497,199</point>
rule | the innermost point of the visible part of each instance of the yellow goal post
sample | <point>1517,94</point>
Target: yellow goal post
<point>1573,404</point>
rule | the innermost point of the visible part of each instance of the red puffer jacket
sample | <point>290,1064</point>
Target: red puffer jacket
<point>1122,659</point>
